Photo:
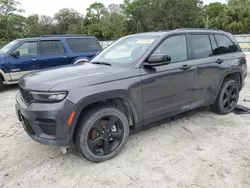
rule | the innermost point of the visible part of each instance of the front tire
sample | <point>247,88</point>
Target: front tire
<point>102,133</point>
<point>227,98</point>
<point>1,83</point>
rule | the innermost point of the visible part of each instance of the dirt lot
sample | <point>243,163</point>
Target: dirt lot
<point>199,150</point>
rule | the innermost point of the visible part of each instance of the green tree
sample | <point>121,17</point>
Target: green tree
<point>11,25</point>
<point>96,12</point>
<point>113,27</point>
<point>214,15</point>
<point>65,18</point>
<point>237,17</point>
<point>9,6</point>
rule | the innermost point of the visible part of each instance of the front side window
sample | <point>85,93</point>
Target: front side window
<point>225,45</point>
<point>28,49</point>
<point>51,47</point>
<point>201,46</point>
<point>126,50</point>
<point>175,47</point>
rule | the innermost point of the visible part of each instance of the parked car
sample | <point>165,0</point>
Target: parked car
<point>157,75</point>
<point>24,55</point>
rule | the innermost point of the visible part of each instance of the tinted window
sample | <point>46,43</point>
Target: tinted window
<point>225,45</point>
<point>175,47</point>
<point>83,44</point>
<point>201,46</point>
<point>51,47</point>
<point>28,49</point>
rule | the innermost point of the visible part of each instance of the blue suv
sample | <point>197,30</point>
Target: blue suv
<point>29,54</point>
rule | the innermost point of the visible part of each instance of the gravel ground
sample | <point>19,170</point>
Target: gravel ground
<point>197,150</point>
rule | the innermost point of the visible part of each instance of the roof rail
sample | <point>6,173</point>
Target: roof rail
<point>66,35</point>
<point>197,29</point>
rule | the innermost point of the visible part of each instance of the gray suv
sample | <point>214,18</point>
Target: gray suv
<point>139,79</point>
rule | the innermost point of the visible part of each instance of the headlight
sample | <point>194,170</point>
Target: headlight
<point>48,97</point>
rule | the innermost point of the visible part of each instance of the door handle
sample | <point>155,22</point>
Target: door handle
<point>65,56</point>
<point>219,61</point>
<point>185,67</point>
<point>34,59</point>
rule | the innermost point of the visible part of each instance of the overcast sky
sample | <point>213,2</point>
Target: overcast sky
<point>50,7</point>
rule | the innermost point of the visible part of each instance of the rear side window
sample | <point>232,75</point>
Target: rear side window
<point>225,45</point>
<point>83,44</point>
<point>51,47</point>
<point>201,46</point>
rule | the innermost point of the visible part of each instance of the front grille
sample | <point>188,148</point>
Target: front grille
<point>25,95</point>
<point>48,126</point>
<point>28,127</point>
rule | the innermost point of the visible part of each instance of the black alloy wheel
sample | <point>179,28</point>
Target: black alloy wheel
<point>227,98</point>
<point>230,97</point>
<point>102,133</point>
<point>105,135</point>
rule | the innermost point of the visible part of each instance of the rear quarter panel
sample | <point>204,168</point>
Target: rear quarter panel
<point>234,65</point>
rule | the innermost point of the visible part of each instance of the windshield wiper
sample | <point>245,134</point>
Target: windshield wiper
<point>101,63</point>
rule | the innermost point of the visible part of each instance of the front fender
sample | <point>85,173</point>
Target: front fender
<point>123,94</point>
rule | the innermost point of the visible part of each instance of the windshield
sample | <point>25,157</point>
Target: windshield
<point>126,50</point>
<point>7,47</point>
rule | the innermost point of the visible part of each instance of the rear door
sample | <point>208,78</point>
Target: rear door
<point>25,63</point>
<point>211,64</point>
<point>84,47</point>
<point>52,54</point>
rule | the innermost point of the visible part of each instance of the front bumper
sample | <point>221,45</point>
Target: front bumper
<point>46,123</point>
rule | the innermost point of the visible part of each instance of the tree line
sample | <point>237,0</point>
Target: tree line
<point>133,16</point>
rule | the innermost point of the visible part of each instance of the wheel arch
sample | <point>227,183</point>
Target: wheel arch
<point>4,75</point>
<point>236,75</point>
<point>1,76</point>
<point>119,99</point>
<point>80,59</point>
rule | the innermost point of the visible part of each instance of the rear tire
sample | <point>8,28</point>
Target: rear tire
<point>227,98</point>
<point>102,133</point>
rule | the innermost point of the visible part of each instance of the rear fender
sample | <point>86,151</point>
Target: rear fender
<point>231,71</point>
<point>80,60</point>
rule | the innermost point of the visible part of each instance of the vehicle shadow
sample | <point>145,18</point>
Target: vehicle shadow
<point>9,88</point>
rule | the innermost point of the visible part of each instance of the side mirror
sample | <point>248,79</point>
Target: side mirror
<point>15,54</point>
<point>158,59</point>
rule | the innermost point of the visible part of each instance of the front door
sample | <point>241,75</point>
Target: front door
<point>52,54</point>
<point>168,88</point>
<point>24,63</point>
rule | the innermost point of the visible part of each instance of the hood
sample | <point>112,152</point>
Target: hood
<point>66,77</point>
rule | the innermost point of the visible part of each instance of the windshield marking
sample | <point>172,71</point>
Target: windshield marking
<point>145,41</point>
